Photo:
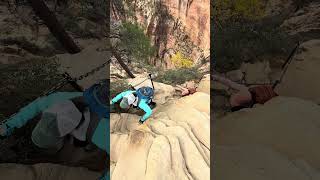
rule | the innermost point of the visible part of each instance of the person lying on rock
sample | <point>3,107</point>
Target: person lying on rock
<point>246,97</point>
<point>83,116</point>
<point>189,89</point>
<point>140,98</point>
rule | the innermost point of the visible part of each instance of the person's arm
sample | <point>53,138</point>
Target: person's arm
<point>229,83</point>
<point>120,96</point>
<point>34,108</point>
<point>148,111</point>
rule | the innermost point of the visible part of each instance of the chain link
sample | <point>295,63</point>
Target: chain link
<point>66,79</point>
<point>93,71</point>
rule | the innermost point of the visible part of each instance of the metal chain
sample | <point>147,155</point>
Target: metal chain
<point>66,79</point>
<point>93,71</point>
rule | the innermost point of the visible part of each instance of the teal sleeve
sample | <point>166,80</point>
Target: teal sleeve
<point>34,108</point>
<point>119,96</point>
<point>145,107</point>
<point>101,135</point>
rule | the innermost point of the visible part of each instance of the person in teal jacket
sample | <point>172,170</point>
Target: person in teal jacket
<point>84,115</point>
<point>141,98</point>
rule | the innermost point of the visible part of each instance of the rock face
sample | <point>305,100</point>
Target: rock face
<point>304,22</point>
<point>273,141</point>
<point>45,171</point>
<point>278,7</point>
<point>204,85</point>
<point>173,144</point>
<point>257,72</point>
<point>174,26</point>
<point>299,80</point>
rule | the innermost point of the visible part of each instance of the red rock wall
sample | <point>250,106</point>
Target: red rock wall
<point>175,25</point>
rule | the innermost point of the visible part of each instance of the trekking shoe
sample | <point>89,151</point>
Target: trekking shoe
<point>141,122</point>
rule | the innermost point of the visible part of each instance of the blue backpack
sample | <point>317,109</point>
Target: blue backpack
<point>145,93</point>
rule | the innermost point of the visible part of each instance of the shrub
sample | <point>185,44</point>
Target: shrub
<point>179,76</point>
<point>180,61</point>
<point>248,41</point>
<point>237,9</point>
<point>118,86</point>
<point>241,33</point>
<point>23,82</point>
<point>136,42</point>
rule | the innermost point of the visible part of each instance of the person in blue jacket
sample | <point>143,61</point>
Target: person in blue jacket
<point>83,115</point>
<point>141,98</point>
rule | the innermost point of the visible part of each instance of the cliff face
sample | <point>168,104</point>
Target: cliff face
<point>173,25</point>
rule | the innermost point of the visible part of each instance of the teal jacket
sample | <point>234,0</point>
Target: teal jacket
<point>143,104</point>
<point>28,112</point>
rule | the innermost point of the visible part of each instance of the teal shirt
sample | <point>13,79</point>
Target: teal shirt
<point>142,105</point>
<point>34,108</point>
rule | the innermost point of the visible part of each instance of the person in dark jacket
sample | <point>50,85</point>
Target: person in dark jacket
<point>246,97</point>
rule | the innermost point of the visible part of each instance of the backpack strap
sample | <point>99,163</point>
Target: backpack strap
<point>136,95</point>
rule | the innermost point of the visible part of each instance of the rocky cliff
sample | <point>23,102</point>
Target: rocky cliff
<point>274,141</point>
<point>172,25</point>
<point>173,144</point>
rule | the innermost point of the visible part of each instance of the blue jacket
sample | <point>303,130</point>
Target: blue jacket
<point>143,104</point>
<point>28,112</point>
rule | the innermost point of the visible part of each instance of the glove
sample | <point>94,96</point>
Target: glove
<point>141,122</point>
<point>111,103</point>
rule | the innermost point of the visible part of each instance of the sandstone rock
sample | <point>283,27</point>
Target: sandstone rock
<point>173,144</point>
<point>235,75</point>
<point>305,21</point>
<point>285,125</point>
<point>300,79</point>
<point>279,7</point>
<point>244,162</point>
<point>257,72</point>
<point>204,85</point>
<point>45,171</point>
<point>219,86</point>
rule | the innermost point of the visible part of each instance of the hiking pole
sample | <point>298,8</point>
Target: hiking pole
<point>286,65</point>
<point>150,75</point>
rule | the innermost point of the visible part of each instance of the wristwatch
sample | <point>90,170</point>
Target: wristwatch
<point>141,122</point>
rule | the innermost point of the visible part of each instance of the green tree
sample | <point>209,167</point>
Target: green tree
<point>235,9</point>
<point>136,42</point>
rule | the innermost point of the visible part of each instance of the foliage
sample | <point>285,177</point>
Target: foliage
<point>179,76</point>
<point>235,9</point>
<point>94,10</point>
<point>23,82</point>
<point>241,33</point>
<point>136,42</point>
<point>180,61</point>
<point>247,42</point>
<point>118,87</point>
